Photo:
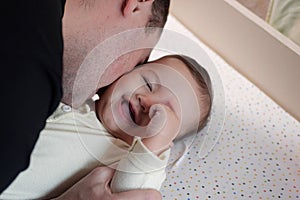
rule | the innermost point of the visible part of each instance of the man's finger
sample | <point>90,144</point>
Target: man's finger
<point>103,174</point>
<point>139,195</point>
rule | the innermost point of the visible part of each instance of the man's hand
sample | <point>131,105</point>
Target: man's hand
<point>95,186</point>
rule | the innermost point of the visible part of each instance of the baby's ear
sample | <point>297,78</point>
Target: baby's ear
<point>132,6</point>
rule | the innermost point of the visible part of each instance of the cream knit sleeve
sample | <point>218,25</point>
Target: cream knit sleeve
<point>140,169</point>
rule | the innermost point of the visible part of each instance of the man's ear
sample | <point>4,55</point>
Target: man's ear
<point>132,6</point>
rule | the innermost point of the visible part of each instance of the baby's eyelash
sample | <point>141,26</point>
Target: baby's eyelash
<point>149,85</point>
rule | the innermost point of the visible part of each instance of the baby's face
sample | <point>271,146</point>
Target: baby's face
<point>125,105</point>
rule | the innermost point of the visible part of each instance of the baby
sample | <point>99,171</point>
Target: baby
<point>160,101</point>
<point>131,128</point>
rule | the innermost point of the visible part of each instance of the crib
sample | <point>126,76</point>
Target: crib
<point>249,150</point>
<point>250,147</point>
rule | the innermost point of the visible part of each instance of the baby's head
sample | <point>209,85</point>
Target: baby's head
<point>178,82</point>
<point>203,91</point>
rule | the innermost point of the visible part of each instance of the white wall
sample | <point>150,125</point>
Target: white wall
<point>250,45</point>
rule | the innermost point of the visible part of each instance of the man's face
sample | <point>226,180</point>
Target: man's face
<point>124,106</point>
<point>88,26</point>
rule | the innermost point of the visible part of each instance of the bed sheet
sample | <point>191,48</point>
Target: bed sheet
<point>256,155</point>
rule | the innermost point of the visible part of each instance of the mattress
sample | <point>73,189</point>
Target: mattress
<point>250,148</point>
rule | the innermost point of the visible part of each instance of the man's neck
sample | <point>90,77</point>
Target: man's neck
<point>68,82</point>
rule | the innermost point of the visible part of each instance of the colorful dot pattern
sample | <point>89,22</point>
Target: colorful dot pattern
<point>256,157</point>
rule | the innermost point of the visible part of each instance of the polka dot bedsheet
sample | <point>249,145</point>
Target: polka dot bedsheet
<point>256,156</point>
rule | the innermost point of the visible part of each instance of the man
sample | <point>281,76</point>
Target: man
<point>84,28</point>
<point>32,61</point>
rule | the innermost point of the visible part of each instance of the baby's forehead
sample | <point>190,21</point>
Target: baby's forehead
<point>168,62</point>
<point>170,68</point>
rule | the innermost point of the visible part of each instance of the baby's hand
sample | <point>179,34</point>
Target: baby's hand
<point>164,126</point>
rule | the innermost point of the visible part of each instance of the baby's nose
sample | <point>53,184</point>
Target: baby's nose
<point>145,103</point>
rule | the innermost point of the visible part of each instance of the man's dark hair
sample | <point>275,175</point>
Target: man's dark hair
<point>160,11</point>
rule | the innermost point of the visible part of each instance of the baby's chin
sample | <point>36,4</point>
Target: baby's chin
<point>122,136</point>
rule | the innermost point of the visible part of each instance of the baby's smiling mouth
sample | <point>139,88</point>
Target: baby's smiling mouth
<point>131,112</point>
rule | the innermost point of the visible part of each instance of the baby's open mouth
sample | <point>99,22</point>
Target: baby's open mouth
<point>131,112</point>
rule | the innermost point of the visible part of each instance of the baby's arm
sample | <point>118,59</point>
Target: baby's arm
<point>144,166</point>
<point>140,169</point>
